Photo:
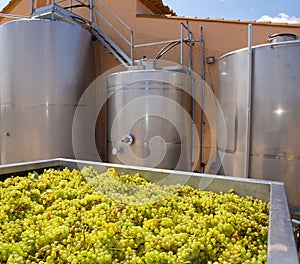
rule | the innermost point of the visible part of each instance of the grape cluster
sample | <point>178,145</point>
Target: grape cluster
<point>63,216</point>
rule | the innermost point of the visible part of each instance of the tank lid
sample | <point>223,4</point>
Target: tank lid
<point>281,37</point>
<point>145,64</point>
<point>142,64</point>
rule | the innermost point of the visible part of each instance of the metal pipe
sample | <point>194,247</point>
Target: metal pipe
<point>31,7</point>
<point>111,26</point>
<point>181,44</point>
<point>81,2</point>
<point>249,105</point>
<point>202,100</point>
<point>190,46</point>
<point>52,7</point>
<point>114,15</point>
<point>91,11</point>
<point>131,46</point>
<point>103,111</point>
<point>165,49</point>
<point>13,16</point>
<point>187,27</point>
<point>193,94</point>
<point>156,43</point>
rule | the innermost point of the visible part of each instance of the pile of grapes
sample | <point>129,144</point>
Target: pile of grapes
<point>63,216</point>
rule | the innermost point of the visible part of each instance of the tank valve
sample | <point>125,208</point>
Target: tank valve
<point>114,151</point>
<point>128,139</point>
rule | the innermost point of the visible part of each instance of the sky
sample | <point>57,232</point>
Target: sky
<point>3,3</point>
<point>270,10</point>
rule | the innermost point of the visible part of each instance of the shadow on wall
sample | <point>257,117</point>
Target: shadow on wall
<point>40,3</point>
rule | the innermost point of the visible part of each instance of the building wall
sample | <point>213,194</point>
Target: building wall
<point>220,37</point>
<point>21,8</point>
<point>142,9</point>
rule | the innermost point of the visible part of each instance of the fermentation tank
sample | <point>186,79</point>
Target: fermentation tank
<point>149,117</point>
<point>42,76</point>
<point>274,126</point>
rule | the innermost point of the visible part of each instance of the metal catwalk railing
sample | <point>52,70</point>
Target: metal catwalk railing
<point>66,10</point>
<point>106,26</point>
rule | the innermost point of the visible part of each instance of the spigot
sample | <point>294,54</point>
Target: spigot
<point>128,139</point>
<point>114,151</point>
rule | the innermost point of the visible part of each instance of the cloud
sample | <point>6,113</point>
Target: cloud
<point>281,17</point>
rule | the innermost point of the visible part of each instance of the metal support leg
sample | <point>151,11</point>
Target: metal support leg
<point>31,7</point>
<point>52,16</point>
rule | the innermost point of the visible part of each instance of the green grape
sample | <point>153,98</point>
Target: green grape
<point>64,216</point>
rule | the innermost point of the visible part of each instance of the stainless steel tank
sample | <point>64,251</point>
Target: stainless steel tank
<point>275,115</point>
<point>149,122</point>
<point>42,76</point>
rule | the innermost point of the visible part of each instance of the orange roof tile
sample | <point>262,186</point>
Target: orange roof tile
<point>157,7</point>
